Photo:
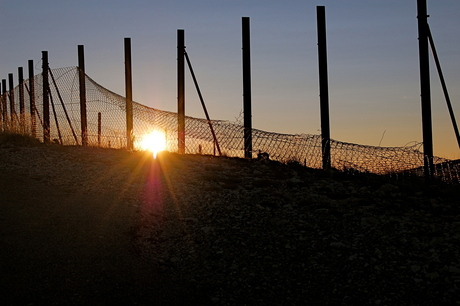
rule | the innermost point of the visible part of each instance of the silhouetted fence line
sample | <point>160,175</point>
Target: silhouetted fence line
<point>106,120</point>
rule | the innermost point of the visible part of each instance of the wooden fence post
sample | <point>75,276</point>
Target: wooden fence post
<point>1,109</point>
<point>323,88</point>
<point>424,62</point>
<point>99,129</point>
<point>181,91</point>
<point>82,83</point>
<point>5,106</point>
<point>11,96</point>
<point>247,107</point>
<point>46,102</point>
<point>33,121</point>
<point>22,119</point>
<point>129,95</point>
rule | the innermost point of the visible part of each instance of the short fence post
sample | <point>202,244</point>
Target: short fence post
<point>5,105</point>
<point>181,91</point>
<point>46,102</point>
<point>22,120</point>
<point>32,99</point>
<point>82,83</point>
<point>129,94</point>
<point>247,108</point>
<point>99,129</point>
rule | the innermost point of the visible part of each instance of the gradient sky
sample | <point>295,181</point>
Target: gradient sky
<point>372,58</point>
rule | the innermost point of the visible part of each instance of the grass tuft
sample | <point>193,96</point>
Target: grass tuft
<point>20,140</point>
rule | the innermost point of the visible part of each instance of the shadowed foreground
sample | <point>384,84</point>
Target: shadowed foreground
<point>93,226</point>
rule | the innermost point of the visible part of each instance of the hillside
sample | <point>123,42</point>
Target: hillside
<point>226,231</point>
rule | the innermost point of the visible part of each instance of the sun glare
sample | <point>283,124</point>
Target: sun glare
<point>154,142</point>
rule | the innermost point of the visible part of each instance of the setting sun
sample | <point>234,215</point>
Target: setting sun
<point>154,142</point>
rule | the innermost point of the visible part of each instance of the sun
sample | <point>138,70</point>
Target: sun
<point>154,142</point>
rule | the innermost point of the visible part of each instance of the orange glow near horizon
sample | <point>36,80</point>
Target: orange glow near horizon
<point>153,142</point>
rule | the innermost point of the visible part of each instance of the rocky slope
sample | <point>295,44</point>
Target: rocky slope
<point>264,233</point>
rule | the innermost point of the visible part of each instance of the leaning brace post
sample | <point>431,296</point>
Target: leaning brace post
<point>181,91</point>
<point>129,94</point>
<point>56,121</point>
<point>22,119</point>
<point>11,95</point>
<point>425,88</point>
<point>323,88</point>
<point>46,101</point>
<point>63,107</point>
<point>247,108</point>
<point>444,86</point>
<point>33,121</point>
<point>216,143</point>
<point>82,83</point>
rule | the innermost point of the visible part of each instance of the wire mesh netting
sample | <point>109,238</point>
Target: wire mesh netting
<point>106,121</point>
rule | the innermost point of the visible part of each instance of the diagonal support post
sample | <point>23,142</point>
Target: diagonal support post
<point>63,107</point>
<point>443,84</point>
<point>202,102</point>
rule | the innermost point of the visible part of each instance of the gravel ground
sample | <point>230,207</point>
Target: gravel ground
<point>262,233</point>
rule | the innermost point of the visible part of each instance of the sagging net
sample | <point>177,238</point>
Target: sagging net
<point>106,121</point>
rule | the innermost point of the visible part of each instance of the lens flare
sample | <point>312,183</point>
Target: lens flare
<point>154,142</point>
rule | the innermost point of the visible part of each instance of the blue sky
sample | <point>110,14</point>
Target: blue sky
<point>372,58</point>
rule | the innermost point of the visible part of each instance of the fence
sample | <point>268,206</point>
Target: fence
<point>106,119</point>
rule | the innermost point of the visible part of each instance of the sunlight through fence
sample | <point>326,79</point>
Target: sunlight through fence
<point>106,121</point>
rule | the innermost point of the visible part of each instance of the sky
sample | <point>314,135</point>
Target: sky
<point>373,63</point>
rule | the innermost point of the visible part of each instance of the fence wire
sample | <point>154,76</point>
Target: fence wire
<point>110,131</point>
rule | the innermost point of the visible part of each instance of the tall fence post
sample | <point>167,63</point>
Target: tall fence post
<point>5,105</point>
<point>181,91</point>
<point>11,96</point>
<point>323,88</point>
<point>129,94</point>
<point>1,109</point>
<point>425,88</point>
<point>22,118</point>
<point>247,108</point>
<point>46,102</point>
<point>32,99</point>
<point>82,83</point>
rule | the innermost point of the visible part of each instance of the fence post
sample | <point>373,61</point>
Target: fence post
<point>129,94</point>
<point>22,120</point>
<point>82,83</point>
<point>424,62</point>
<point>1,109</point>
<point>247,109</point>
<point>181,91</point>
<point>5,105</point>
<point>46,102</point>
<point>323,88</point>
<point>11,95</point>
<point>32,99</point>
<point>99,129</point>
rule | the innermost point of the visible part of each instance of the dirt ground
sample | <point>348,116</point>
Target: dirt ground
<point>62,248</point>
<point>90,226</point>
